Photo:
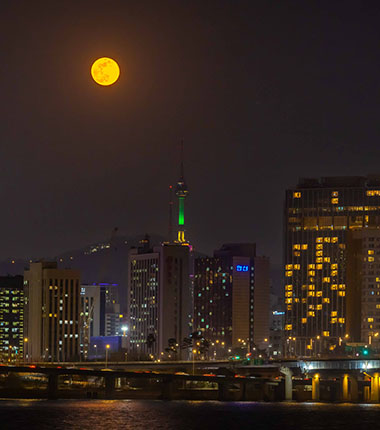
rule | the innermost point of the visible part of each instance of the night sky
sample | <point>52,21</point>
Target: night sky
<point>262,92</point>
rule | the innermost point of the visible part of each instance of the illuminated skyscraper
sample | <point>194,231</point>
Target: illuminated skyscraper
<point>332,270</point>
<point>11,318</point>
<point>231,298</point>
<point>160,305</point>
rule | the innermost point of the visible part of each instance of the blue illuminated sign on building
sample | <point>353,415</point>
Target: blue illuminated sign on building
<point>240,268</point>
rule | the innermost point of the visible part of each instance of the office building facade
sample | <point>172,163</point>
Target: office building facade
<point>160,305</point>
<point>11,319</point>
<point>331,263</point>
<point>231,298</point>
<point>52,312</point>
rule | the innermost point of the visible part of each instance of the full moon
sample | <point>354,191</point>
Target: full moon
<point>105,71</point>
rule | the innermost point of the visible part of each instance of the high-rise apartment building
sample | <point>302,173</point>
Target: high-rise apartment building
<point>52,312</point>
<point>160,305</point>
<point>11,318</point>
<point>231,298</point>
<point>332,263</point>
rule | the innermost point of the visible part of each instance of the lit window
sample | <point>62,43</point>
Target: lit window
<point>319,259</point>
<point>334,200</point>
<point>319,253</point>
<point>304,246</point>
<point>297,195</point>
<point>334,313</point>
<point>311,287</point>
<point>334,320</point>
<point>371,259</point>
<point>319,266</point>
<point>334,286</point>
<point>288,287</point>
<point>327,239</point>
<point>326,279</point>
<point>334,240</point>
<point>319,307</point>
<point>342,320</point>
<point>334,266</point>
<point>334,194</point>
<point>297,246</point>
<point>311,294</point>
<point>319,239</point>
<point>289,267</point>
<point>297,254</point>
<point>334,273</point>
<point>304,320</point>
<point>371,252</point>
<point>311,266</point>
<point>288,301</point>
<point>326,300</point>
<point>311,273</point>
<point>342,293</point>
<point>311,313</point>
<point>326,333</point>
<point>288,273</point>
<point>319,293</point>
<point>288,327</point>
<point>370,319</point>
<point>372,193</point>
<point>319,246</point>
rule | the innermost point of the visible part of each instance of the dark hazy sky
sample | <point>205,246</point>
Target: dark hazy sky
<point>262,92</point>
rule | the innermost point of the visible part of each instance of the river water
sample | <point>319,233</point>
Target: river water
<point>186,415</point>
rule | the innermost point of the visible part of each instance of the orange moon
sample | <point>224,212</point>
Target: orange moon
<point>105,71</point>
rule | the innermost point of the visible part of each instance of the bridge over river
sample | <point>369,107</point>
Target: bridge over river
<point>321,379</point>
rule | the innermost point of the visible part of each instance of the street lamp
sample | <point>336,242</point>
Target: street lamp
<point>107,348</point>
<point>124,329</point>
<point>26,349</point>
<point>194,351</point>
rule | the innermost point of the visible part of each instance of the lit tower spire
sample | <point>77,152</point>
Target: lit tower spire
<point>181,192</point>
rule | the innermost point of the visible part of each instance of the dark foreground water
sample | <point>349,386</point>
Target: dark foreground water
<point>178,415</point>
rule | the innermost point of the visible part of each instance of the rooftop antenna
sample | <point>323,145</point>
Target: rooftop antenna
<point>170,228</point>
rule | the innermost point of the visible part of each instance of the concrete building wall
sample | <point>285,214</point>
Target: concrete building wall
<point>241,301</point>
<point>52,308</point>
<point>261,300</point>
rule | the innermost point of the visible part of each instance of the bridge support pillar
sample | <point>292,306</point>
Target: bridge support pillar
<point>110,386</point>
<point>52,386</point>
<point>345,393</point>
<point>243,391</point>
<point>366,394</point>
<point>315,388</point>
<point>354,391</point>
<point>222,391</point>
<point>288,382</point>
<point>375,388</point>
<point>167,392</point>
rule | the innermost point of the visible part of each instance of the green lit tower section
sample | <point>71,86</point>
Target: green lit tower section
<point>181,192</point>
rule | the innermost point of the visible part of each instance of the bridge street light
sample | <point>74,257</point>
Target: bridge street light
<point>107,348</point>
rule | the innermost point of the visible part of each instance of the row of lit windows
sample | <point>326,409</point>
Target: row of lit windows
<point>299,246</point>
